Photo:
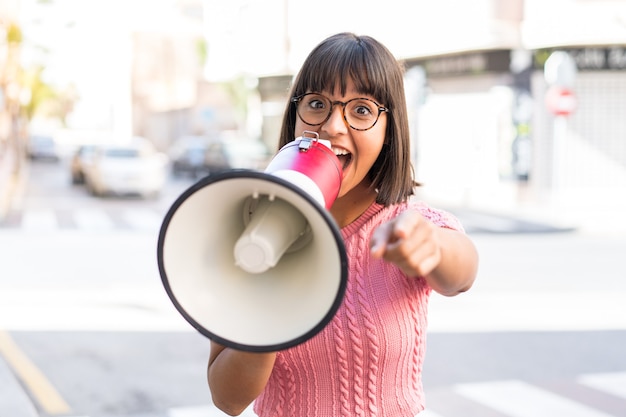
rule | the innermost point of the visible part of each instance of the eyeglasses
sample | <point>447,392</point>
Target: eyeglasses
<point>359,113</point>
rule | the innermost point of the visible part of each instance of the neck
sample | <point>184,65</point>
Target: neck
<point>350,206</point>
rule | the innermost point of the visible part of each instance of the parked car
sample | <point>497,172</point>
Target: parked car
<point>199,155</point>
<point>135,168</point>
<point>246,154</point>
<point>188,156</point>
<point>42,147</point>
<point>80,162</point>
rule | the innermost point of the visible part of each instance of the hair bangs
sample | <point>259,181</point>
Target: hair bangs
<point>334,65</point>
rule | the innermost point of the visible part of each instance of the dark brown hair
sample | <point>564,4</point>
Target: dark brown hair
<point>375,72</point>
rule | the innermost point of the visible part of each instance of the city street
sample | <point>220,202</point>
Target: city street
<point>86,329</point>
<point>514,113</point>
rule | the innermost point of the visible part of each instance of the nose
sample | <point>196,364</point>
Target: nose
<point>335,124</point>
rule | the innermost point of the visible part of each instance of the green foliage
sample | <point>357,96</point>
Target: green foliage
<point>238,92</point>
<point>14,34</point>
<point>45,100</point>
<point>40,92</point>
<point>541,56</point>
<point>202,50</point>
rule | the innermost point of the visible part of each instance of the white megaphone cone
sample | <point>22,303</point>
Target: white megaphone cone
<point>253,260</point>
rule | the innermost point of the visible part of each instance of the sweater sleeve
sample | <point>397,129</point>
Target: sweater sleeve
<point>439,217</point>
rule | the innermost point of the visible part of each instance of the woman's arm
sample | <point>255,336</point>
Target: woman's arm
<point>446,258</point>
<point>236,378</point>
<point>458,263</point>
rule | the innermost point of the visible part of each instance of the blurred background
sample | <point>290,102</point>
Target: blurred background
<point>109,110</point>
<point>493,125</point>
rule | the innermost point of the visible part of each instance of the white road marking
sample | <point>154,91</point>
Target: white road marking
<point>39,220</point>
<point>93,219</point>
<point>520,399</point>
<point>143,219</point>
<point>612,382</point>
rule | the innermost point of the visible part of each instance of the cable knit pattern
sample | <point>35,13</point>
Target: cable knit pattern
<point>369,325</point>
<point>368,360</point>
<point>341,354</point>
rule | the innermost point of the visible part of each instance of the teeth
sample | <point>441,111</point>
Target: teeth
<point>339,152</point>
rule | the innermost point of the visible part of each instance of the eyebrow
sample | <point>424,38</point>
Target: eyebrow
<point>348,96</point>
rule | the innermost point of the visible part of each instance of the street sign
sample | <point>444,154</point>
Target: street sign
<point>561,101</point>
<point>560,69</point>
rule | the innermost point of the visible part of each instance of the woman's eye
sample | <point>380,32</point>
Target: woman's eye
<point>363,110</point>
<point>316,104</point>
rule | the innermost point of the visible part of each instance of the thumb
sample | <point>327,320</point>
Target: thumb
<point>379,239</point>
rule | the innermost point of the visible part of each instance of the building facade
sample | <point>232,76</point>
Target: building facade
<point>484,133</point>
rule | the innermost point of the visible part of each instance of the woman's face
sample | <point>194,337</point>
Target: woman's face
<point>357,150</point>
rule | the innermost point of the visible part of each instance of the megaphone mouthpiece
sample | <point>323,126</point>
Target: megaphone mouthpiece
<point>275,225</point>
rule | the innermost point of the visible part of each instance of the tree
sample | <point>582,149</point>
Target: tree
<point>45,100</point>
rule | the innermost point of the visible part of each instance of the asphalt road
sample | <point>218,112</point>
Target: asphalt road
<point>86,329</point>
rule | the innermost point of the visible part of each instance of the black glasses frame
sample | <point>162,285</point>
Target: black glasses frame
<point>381,109</point>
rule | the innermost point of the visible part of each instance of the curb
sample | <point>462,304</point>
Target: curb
<point>15,185</point>
<point>6,197</point>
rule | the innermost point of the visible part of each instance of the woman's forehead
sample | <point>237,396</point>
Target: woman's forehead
<point>347,88</point>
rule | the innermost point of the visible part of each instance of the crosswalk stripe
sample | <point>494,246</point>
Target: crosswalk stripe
<point>519,399</point>
<point>614,383</point>
<point>88,219</point>
<point>39,220</point>
<point>92,219</point>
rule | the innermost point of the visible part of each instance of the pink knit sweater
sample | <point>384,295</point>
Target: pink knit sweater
<point>368,360</point>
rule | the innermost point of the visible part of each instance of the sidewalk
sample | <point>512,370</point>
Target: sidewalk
<point>595,210</point>
<point>10,182</point>
<point>487,221</point>
<point>14,401</point>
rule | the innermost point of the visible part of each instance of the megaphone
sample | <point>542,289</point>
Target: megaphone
<point>253,260</point>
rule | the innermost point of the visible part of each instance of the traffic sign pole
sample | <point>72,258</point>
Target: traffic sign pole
<point>560,74</point>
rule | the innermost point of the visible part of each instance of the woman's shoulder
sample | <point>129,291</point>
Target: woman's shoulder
<point>378,213</point>
<point>437,216</point>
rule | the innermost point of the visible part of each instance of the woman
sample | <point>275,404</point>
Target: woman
<point>368,360</point>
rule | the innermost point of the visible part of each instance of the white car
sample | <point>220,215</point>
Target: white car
<point>79,164</point>
<point>135,168</point>
<point>42,147</point>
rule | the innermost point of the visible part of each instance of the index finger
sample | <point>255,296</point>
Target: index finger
<point>405,223</point>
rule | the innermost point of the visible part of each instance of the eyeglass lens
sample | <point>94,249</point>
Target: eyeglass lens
<point>360,113</point>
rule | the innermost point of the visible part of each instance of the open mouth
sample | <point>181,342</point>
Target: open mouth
<point>344,157</point>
